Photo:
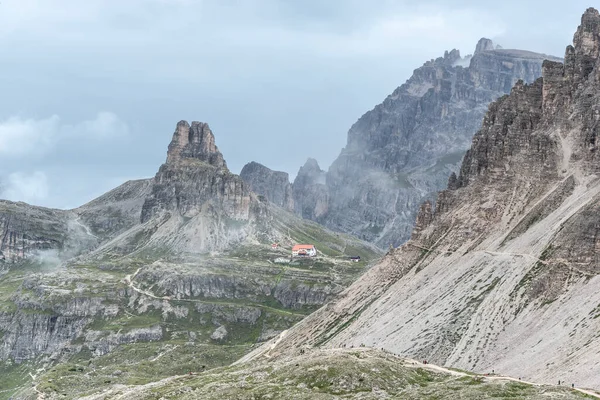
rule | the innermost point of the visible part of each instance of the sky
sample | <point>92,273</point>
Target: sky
<point>91,90</point>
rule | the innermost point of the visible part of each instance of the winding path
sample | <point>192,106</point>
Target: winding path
<point>417,364</point>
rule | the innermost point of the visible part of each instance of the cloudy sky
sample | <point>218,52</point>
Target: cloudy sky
<point>92,90</point>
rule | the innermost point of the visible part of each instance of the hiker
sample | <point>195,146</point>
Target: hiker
<point>572,385</point>
<point>559,382</point>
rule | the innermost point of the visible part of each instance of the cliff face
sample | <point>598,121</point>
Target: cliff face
<point>195,177</point>
<point>311,198</point>
<point>116,211</point>
<point>273,185</point>
<point>195,190</point>
<point>503,273</point>
<point>402,152</point>
<point>29,232</point>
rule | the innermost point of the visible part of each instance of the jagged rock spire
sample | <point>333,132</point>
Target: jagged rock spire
<point>587,38</point>
<point>195,141</point>
<point>582,55</point>
<point>452,56</point>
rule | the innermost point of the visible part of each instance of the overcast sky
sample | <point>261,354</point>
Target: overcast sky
<point>92,90</point>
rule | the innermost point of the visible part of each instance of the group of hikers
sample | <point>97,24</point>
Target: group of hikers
<point>572,384</point>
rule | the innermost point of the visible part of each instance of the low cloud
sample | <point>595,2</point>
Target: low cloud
<point>27,187</point>
<point>21,137</point>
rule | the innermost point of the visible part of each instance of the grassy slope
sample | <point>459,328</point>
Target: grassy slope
<point>137,363</point>
<point>332,374</point>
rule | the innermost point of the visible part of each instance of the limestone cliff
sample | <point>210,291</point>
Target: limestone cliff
<point>28,232</point>
<point>273,185</point>
<point>195,191</point>
<point>310,191</point>
<point>503,273</point>
<point>116,211</point>
<point>402,152</point>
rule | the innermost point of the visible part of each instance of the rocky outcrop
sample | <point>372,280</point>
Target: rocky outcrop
<point>275,186</point>
<point>402,152</point>
<point>504,272</point>
<point>310,191</point>
<point>195,178</point>
<point>194,142</point>
<point>42,234</point>
<point>194,191</point>
<point>50,236</point>
<point>116,211</point>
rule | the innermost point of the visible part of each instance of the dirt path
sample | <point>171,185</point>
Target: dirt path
<point>279,339</point>
<point>437,368</point>
<point>86,228</point>
<point>40,395</point>
<point>163,353</point>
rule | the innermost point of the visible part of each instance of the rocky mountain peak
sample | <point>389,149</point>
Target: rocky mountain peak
<point>587,38</point>
<point>196,141</point>
<point>311,165</point>
<point>484,44</point>
<point>205,189</point>
<point>275,186</point>
<point>309,191</point>
<point>581,56</point>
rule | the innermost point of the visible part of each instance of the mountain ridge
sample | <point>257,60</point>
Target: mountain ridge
<point>401,152</point>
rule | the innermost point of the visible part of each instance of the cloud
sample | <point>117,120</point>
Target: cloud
<point>27,187</point>
<point>106,125</point>
<point>30,137</point>
<point>20,137</point>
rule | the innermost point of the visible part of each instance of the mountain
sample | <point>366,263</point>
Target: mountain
<point>157,276</point>
<point>402,152</point>
<point>503,272</point>
<point>28,231</point>
<point>275,186</point>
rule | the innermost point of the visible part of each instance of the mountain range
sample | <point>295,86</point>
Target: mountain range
<point>182,285</point>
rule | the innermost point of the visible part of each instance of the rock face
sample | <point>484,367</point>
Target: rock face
<point>402,152</point>
<point>30,232</point>
<point>504,273</point>
<point>310,191</point>
<point>116,211</point>
<point>194,188</point>
<point>275,186</point>
<point>194,142</point>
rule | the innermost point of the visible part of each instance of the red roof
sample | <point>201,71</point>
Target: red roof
<point>303,247</point>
